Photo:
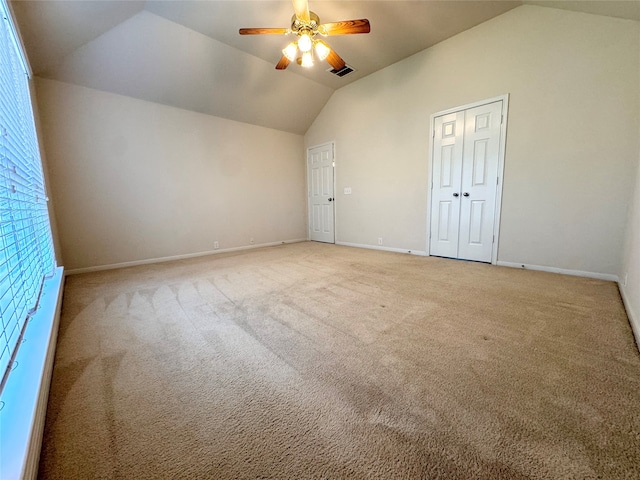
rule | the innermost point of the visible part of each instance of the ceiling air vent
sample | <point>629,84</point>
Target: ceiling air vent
<point>346,70</point>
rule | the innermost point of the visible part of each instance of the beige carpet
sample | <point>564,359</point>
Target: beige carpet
<point>319,361</point>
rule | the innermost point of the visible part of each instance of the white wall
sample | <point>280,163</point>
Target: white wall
<point>630,271</point>
<point>134,180</point>
<point>571,141</point>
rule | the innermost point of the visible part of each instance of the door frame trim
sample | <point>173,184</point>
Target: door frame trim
<point>501,156</point>
<point>306,171</point>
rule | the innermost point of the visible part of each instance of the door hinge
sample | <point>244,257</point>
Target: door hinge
<point>494,239</point>
<point>497,180</point>
<point>501,119</point>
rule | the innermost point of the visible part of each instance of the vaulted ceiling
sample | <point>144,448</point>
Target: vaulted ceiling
<point>188,54</point>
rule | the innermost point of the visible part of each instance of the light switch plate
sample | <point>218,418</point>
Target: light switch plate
<point>347,190</point>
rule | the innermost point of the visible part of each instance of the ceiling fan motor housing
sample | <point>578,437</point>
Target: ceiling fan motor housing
<point>299,27</point>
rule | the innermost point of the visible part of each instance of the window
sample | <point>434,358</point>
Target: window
<point>26,247</point>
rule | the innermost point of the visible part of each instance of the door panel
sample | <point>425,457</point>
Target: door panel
<point>444,222</point>
<point>479,175</point>
<point>476,223</point>
<point>446,166</point>
<point>321,210</point>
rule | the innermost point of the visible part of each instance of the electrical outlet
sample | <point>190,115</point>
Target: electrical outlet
<point>379,240</point>
<point>251,241</point>
<point>216,245</point>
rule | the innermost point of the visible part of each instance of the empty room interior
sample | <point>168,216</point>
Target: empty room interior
<point>408,249</point>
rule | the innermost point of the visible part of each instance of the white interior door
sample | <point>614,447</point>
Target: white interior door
<point>479,181</point>
<point>321,196</point>
<point>465,163</point>
<point>447,178</point>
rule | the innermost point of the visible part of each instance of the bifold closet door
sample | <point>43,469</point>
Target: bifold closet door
<point>466,147</point>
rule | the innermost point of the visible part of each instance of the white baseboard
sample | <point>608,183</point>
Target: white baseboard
<point>147,261</point>
<point>26,391</point>
<point>634,320</point>
<point>575,273</point>
<point>386,249</point>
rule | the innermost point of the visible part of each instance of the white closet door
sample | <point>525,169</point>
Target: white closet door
<point>466,150</point>
<point>479,181</point>
<point>447,178</point>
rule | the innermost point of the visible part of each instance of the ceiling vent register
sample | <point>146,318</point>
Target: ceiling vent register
<point>346,70</point>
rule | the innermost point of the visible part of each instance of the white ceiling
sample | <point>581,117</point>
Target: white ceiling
<point>188,54</point>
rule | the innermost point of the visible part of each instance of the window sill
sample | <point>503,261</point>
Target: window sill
<point>27,389</point>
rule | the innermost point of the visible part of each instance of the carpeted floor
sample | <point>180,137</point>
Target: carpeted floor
<point>320,361</point>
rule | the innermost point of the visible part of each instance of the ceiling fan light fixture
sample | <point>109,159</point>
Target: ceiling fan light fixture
<point>306,26</point>
<point>304,42</point>
<point>290,51</point>
<point>307,59</point>
<point>322,49</point>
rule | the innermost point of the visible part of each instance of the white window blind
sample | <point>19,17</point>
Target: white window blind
<point>26,247</point>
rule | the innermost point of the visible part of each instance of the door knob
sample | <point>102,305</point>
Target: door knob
<point>456,194</point>
<point>466,194</point>
<point>331,199</point>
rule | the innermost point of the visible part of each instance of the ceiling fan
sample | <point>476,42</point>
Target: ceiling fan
<point>306,26</point>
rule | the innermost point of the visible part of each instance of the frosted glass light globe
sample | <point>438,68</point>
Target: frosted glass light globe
<point>307,59</point>
<point>304,43</point>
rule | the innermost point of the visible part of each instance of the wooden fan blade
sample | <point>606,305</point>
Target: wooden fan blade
<point>335,60</point>
<point>283,63</point>
<point>301,7</point>
<point>346,27</point>
<point>263,31</point>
